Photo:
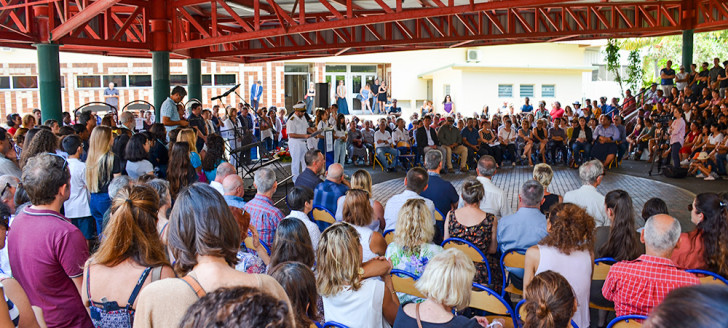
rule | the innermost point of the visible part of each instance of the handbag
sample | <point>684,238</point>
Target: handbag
<point>417,315</point>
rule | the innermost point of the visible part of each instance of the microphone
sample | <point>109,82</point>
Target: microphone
<point>226,93</point>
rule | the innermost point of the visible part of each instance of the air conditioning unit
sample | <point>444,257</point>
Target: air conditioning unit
<point>472,56</point>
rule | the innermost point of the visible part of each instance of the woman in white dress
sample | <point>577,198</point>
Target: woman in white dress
<point>349,300</point>
<point>362,180</point>
<point>230,124</point>
<point>358,212</point>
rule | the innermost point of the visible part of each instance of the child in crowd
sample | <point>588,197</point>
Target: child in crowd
<point>76,207</point>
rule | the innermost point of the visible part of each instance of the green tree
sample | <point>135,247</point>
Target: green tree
<point>611,52</point>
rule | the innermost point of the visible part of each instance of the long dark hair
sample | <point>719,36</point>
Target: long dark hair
<point>623,244</point>
<point>714,230</point>
<point>292,243</point>
<point>299,283</point>
<point>43,141</point>
<point>341,122</point>
<point>178,174</point>
<point>215,152</point>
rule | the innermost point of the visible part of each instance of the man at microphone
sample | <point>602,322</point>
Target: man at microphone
<point>168,111</point>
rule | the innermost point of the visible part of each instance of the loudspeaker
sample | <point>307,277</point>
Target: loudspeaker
<point>322,95</point>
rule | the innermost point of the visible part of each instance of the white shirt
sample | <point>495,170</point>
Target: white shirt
<point>508,137</point>
<point>430,142</point>
<point>313,229</point>
<point>494,200</point>
<point>77,204</point>
<point>361,308</point>
<point>379,135</point>
<point>279,128</point>
<point>217,186</point>
<point>396,202</point>
<point>297,125</point>
<point>400,135</point>
<point>715,139</point>
<point>588,198</point>
<point>339,133</point>
<point>339,216</point>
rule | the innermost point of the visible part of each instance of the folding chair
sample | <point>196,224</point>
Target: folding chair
<point>389,236</point>
<point>521,314</point>
<point>334,324</point>
<point>406,156</point>
<point>248,242</point>
<point>323,217</point>
<point>627,321</point>
<point>376,161</point>
<point>512,258</point>
<point>404,282</point>
<point>485,299</point>
<point>439,216</point>
<point>470,250</point>
<point>600,272</point>
<point>708,278</point>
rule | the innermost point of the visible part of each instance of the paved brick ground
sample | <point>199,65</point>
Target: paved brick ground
<point>510,179</point>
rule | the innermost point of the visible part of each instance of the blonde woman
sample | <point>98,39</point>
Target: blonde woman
<point>358,212</point>
<point>412,247</point>
<point>544,174</point>
<point>446,283</point>
<point>189,136</point>
<point>102,166</point>
<point>347,298</point>
<point>362,180</point>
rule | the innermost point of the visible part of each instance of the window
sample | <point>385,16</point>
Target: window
<point>446,91</point>
<point>88,81</point>
<point>207,80</point>
<point>225,79</point>
<point>526,90</point>
<point>140,80</point>
<point>505,90</point>
<point>364,68</point>
<point>25,82</point>
<point>119,80</point>
<point>4,82</point>
<point>335,68</point>
<point>295,68</point>
<point>548,90</point>
<point>178,79</point>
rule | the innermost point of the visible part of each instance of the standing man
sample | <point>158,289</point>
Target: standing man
<point>297,134</point>
<point>198,123</point>
<point>375,91</point>
<point>169,112</point>
<point>451,141</point>
<point>715,72</point>
<point>255,92</point>
<point>111,96</point>
<point>526,108</point>
<point>667,78</point>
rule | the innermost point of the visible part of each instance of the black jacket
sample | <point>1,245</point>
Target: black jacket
<point>421,138</point>
<point>577,130</point>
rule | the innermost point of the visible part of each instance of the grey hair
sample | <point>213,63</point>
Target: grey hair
<point>118,183</point>
<point>433,158</point>
<point>224,170</point>
<point>126,117</point>
<point>8,179</point>
<point>486,166</point>
<point>162,188</point>
<point>531,193</point>
<point>590,171</point>
<point>659,240</point>
<point>264,179</point>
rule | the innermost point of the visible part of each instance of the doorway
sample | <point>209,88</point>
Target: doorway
<point>296,87</point>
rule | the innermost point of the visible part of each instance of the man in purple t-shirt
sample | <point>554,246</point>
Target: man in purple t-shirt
<point>47,253</point>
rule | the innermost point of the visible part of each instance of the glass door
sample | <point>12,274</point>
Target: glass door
<point>358,81</point>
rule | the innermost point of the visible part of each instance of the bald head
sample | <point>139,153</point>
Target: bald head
<point>223,170</point>
<point>660,235</point>
<point>336,172</point>
<point>233,185</point>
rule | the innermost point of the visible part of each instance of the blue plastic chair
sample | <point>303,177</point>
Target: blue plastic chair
<point>600,272</point>
<point>519,315</point>
<point>388,236</point>
<point>485,299</point>
<point>248,244</point>
<point>334,324</point>
<point>513,258</point>
<point>323,217</point>
<point>472,251</point>
<point>708,277</point>
<point>627,321</point>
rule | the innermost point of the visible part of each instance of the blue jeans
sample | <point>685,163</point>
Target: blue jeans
<point>382,159</point>
<point>576,149</point>
<point>720,160</point>
<point>309,105</point>
<point>99,203</point>
<point>621,150</point>
<point>267,144</point>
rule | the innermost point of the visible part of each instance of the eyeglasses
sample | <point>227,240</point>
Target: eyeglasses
<point>65,162</point>
<point>7,185</point>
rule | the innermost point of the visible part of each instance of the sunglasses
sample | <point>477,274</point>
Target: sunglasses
<point>65,162</point>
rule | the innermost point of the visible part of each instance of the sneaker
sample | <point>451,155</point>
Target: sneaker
<point>715,175</point>
<point>709,178</point>
<point>700,175</point>
<point>685,162</point>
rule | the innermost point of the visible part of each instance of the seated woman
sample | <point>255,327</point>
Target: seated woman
<point>136,154</point>
<point>543,174</point>
<point>567,249</point>
<point>249,260</point>
<point>349,299</point>
<point>131,256</point>
<point>299,283</point>
<point>446,283</point>
<point>292,243</point>
<point>204,239</point>
<point>479,228</point>
<point>701,248</point>
<point>190,137</point>
<point>605,141</point>
<point>412,248</point>
<point>358,213</point>
<point>363,181</point>
<point>539,138</point>
<point>239,307</point>
<point>550,302</point>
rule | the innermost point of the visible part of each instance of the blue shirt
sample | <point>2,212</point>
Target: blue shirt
<point>522,229</point>
<point>526,108</point>
<point>440,192</point>
<point>327,193</point>
<point>234,201</point>
<point>470,135</point>
<point>667,72</point>
<point>308,179</point>
<point>610,132</point>
<point>169,109</point>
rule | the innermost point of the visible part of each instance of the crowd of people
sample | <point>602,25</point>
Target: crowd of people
<point>108,226</point>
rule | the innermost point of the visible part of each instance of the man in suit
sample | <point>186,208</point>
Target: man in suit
<point>255,92</point>
<point>426,138</point>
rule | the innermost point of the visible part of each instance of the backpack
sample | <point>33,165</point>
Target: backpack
<point>675,173</point>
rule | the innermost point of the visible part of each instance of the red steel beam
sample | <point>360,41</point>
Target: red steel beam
<point>82,17</point>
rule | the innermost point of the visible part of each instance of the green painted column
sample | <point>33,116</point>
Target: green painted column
<point>687,49</point>
<point>160,80</point>
<point>49,82</point>
<point>194,79</point>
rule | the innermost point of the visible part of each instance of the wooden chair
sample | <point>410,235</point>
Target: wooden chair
<point>323,217</point>
<point>334,324</point>
<point>600,272</point>
<point>708,278</point>
<point>248,241</point>
<point>485,299</point>
<point>439,216</point>
<point>470,250</point>
<point>512,258</point>
<point>521,314</point>
<point>389,236</point>
<point>627,321</point>
<point>404,282</point>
